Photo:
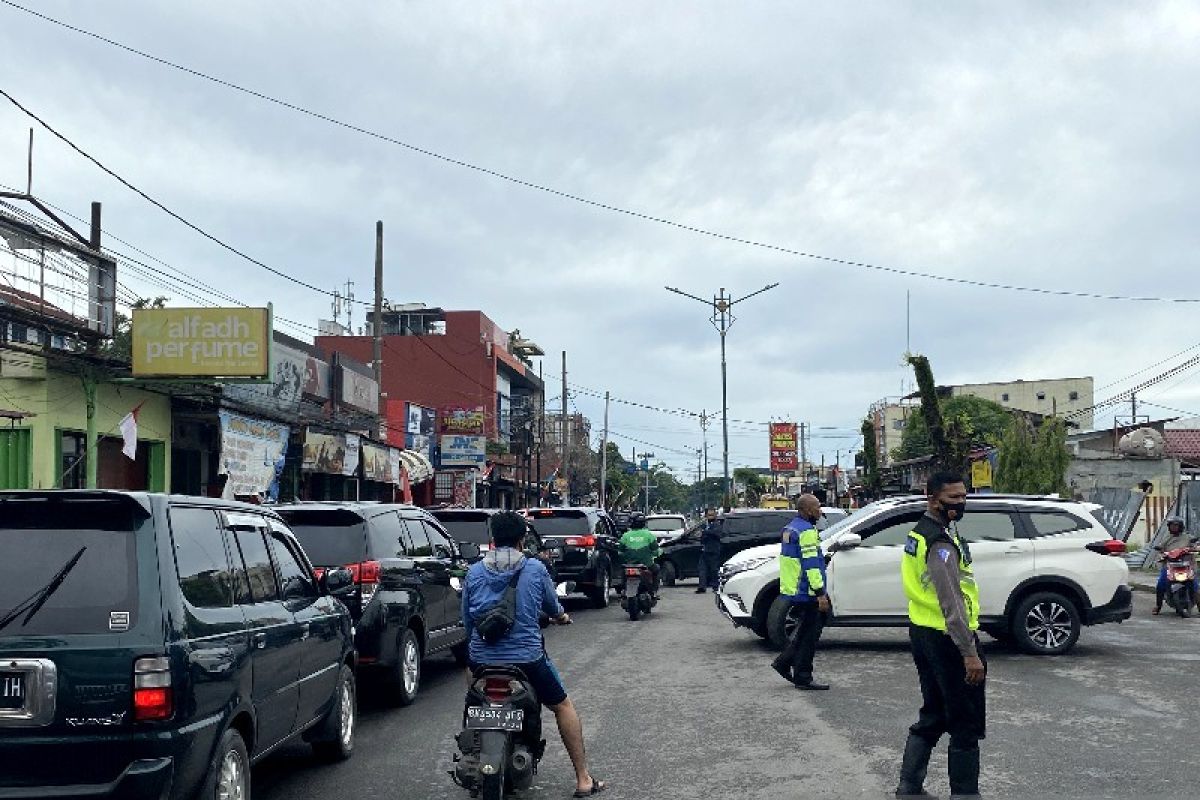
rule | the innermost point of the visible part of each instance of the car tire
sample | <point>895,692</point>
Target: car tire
<point>599,595</point>
<point>1001,635</point>
<point>460,653</point>
<point>335,739</point>
<point>669,573</point>
<point>781,621</point>
<point>404,680</point>
<point>229,772</point>
<point>1046,624</point>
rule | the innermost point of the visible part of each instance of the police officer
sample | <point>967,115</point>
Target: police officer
<point>710,552</point>
<point>802,581</point>
<point>943,614</point>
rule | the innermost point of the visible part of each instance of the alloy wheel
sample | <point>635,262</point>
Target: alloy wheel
<point>231,782</point>
<point>347,701</point>
<point>1048,625</point>
<point>411,666</point>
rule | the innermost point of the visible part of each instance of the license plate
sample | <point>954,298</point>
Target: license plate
<point>480,718</point>
<point>12,689</point>
<point>555,553</point>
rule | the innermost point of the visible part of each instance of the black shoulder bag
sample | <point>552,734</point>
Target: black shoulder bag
<point>498,620</point>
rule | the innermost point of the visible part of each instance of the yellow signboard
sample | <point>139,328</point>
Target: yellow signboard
<point>981,474</point>
<point>202,343</point>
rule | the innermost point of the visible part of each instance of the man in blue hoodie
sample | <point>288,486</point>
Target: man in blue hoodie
<point>523,646</point>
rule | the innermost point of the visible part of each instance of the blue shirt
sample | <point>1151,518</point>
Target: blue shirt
<point>810,558</point>
<point>710,538</point>
<point>485,585</point>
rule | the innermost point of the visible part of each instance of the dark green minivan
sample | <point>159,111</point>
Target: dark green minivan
<point>155,646</point>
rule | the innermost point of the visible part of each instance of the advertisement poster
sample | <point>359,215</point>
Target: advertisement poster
<point>295,375</point>
<point>413,424</point>
<point>464,451</point>
<point>252,454</point>
<point>359,391</point>
<point>428,422</point>
<point>331,453</point>
<point>378,465</point>
<point>466,421</point>
<point>783,447</point>
<point>419,444</point>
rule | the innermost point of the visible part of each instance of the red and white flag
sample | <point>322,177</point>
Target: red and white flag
<point>128,427</point>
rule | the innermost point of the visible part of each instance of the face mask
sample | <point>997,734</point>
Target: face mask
<point>958,508</point>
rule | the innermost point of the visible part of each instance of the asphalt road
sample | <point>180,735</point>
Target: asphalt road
<point>682,705</point>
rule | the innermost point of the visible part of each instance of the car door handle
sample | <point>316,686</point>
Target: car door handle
<point>1014,551</point>
<point>260,641</point>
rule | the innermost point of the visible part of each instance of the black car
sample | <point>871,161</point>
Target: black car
<point>407,596</point>
<point>740,530</point>
<point>157,646</point>
<point>581,546</point>
<point>470,526</point>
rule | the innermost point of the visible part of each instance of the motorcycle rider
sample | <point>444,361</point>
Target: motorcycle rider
<point>524,646</point>
<point>1176,539</point>
<point>640,546</point>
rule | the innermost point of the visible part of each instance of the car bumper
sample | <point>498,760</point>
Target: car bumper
<point>145,778</point>
<point>733,607</point>
<point>1118,609</point>
<point>581,577</point>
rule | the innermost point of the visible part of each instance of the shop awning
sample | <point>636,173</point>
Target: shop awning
<point>419,467</point>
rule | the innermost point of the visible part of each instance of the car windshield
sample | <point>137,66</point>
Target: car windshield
<point>38,538</point>
<point>561,523</point>
<point>664,523</point>
<point>330,536</point>
<point>464,526</point>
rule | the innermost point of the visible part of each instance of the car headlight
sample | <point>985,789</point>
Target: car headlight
<point>745,566</point>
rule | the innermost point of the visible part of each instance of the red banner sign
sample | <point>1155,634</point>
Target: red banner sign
<point>783,447</point>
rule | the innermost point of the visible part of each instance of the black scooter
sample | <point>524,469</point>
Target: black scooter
<point>638,597</point>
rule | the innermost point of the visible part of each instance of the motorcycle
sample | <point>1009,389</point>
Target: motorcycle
<point>1181,580</point>
<point>638,598</point>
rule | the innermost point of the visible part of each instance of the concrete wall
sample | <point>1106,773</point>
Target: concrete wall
<point>1085,474</point>
<point>1024,396</point>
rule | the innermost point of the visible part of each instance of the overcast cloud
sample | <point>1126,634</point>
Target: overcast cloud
<point>1048,145</point>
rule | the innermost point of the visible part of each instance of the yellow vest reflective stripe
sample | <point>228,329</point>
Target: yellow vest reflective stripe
<point>923,607</point>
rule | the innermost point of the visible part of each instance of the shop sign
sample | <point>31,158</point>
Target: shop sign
<point>296,375</point>
<point>252,454</point>
<point>459,419</point>
<point>464,451</point>
<point>379,465</point>
<point>783,447</point>
<point>358,390</point>
<point>202,343</point>
<point>331,453</point>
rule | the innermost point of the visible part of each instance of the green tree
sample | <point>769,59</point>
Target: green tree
<point>871,479</point>
<point>120,347</point>
<point>967,421</point>
<point>1033,462</point>
<point>931,410</point>
<point>754,483</point>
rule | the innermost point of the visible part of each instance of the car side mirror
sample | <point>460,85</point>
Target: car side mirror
<point>338,582</point>
<point>468,551</point>
<point>848,541</point>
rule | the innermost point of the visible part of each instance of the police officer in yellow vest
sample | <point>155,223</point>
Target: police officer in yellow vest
<point>943,614</point>
<point>802,582</point>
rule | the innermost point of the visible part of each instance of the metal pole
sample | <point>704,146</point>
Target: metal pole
<point>565,453</point>
<point>91,452</point>
<point>803,457</point>
<point>724,309</point>
<point>604,458</point>
<point>377,331</point>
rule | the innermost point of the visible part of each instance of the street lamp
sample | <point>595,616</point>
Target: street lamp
<point>723,319</point>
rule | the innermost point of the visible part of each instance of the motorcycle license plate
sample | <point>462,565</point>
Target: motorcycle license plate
<point>482,718</point>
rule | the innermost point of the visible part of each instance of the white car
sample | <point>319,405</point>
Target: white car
<point>1045,568</point>
<point>666,527</point>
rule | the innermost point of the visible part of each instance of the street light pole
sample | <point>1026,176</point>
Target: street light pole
<point>723,319</point>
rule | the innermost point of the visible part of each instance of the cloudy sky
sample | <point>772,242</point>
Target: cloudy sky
<point>1042,145</point>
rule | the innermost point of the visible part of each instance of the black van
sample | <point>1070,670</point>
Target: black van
<point>157,646</point>
<point>740,530</point>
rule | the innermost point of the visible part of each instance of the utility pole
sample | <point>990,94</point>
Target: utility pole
<point>377,333</point>
<point>1133,404</point>
<point>803,456</point>
<point>723,319</point>
<point>704,418</point>
<point>604,458</point>
<point>91,439</point>
<point>565,452</point>
<point>541,434</point>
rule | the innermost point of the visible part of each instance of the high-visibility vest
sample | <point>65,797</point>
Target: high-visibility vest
<point>923,607</point>
<point>797,579</point>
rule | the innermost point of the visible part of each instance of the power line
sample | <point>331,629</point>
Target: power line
<point>528,184</point>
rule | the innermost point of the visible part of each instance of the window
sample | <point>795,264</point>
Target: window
<point>1048,523</point>
<point>1041,395</point>
<point>441,546</point>
<point>419,546</point>
<point>387,536</point>
<point>898,424</point>
<point>294,578</point>
<point>200,559</point>
<point>1004,397</point>
<point>987,526</point>
<point>738,526</point>
<point>74,461</point>
<point>1073,396</point>
<point>260,586</point>
<point>891,532</point>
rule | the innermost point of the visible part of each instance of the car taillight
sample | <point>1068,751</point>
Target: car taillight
<point>633,571</point>
<point>1109,547</point>
<point>153,697</point>
<point>366,574</point>
<point>497,690</point>
<point>581,541</point>
<point>319,572</point>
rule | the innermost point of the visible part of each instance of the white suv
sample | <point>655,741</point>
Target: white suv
<point>1045,568</point>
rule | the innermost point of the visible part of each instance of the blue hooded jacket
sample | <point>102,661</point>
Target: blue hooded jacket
<point>485,585</point>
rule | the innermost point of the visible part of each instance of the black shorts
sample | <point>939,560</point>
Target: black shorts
<point>544,678</point>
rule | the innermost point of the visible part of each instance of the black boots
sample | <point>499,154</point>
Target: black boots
<point>915,767</point>
<point>964,773</point>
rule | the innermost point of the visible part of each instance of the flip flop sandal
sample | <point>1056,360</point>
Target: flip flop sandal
<point>598,786</point>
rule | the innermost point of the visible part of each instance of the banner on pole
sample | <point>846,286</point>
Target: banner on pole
<point>783,447</point>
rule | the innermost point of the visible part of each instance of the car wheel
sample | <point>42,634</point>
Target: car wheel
<point>781,622</point>
<point>229,773</point>
<point>599,595</point>
<point>669,574</point>
<point>1046,624</point>
<point>405,678</point>
<point>336,740</point>
<point>460,653</point>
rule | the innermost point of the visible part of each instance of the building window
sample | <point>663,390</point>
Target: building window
<point>1041,395</point>
<point>74,462</point>
<point>898,424</point>
<point>1073,396</point>
<point>1004,397</point>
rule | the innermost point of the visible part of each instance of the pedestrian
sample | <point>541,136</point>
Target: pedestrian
<point>523,645</point>
<point>943,615</point>
<point>802,582</point>
<point>710,552</point>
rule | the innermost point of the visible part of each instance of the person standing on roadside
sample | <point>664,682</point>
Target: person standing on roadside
<point>802,581</point>
<point>943,615</point>
<point>710,552</point>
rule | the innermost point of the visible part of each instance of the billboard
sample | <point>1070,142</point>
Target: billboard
<point>252,454</point>
<point>464,451</point>
<point>331,453</point>
<point>358,390</point>
<point>783,447</point>
<point>464,420</point>
<point>202,343</point>
<point>296,375</point>
<point>380,463</point>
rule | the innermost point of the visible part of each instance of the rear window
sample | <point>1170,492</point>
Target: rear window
<point>329,536</point>
<point>465,527</point>
<point>561,523</point>
<point>40,537</point>
<point>664,524</point>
